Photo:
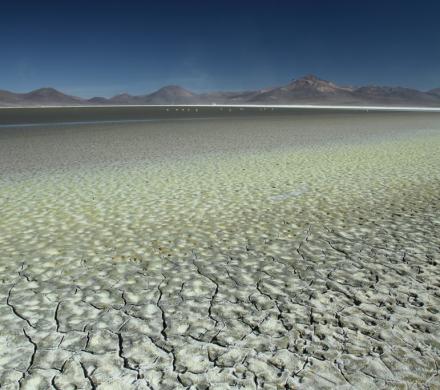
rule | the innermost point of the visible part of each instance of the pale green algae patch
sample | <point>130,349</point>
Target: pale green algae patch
<point>139,211</point>
<point>316,267</point>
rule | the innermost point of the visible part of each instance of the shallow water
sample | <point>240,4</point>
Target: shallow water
<point>235,252</point>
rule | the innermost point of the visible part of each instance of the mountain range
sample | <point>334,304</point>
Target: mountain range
<point>305,90</point>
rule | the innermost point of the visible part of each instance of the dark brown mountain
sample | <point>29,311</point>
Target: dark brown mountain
<point>98,100</point>
<point>394,96</point>
<point>39,97</point>
<point>171,94</point>
<point>305,90</point>
<point>312,90</point>
<point>308,89</point>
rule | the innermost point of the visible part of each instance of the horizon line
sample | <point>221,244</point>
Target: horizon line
<point>264,106</point>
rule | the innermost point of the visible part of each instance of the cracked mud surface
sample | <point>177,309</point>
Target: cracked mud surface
<point>293,268</point>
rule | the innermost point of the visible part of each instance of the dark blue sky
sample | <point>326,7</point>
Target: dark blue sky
<point>202,45</point>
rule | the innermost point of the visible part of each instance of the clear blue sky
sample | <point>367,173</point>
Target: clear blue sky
<point>136,47</point>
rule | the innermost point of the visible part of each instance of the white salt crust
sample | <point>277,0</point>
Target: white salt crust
<point>296,267</point>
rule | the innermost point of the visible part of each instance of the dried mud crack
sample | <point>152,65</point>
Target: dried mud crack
<point>188,275</point>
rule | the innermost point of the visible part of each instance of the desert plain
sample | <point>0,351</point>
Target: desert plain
<point>292,251</point>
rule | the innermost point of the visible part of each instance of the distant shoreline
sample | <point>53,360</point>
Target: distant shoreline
<point>264,106</point>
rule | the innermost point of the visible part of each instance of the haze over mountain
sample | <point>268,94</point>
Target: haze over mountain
<point>435,91</point>
<point>305,90</point>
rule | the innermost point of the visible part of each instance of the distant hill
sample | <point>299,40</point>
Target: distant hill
<point>39,97</point>
<point>435,91</point>
<point>395,96</point>
<point>172,94</point>
<point>9,98</point>
<point>309,89</point>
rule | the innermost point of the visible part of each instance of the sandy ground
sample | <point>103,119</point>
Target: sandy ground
<point>285,253</point>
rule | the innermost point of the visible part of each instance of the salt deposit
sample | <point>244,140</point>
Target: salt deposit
<point>224,264</point>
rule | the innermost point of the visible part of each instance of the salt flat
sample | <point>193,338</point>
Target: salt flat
<point>286,251</point>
